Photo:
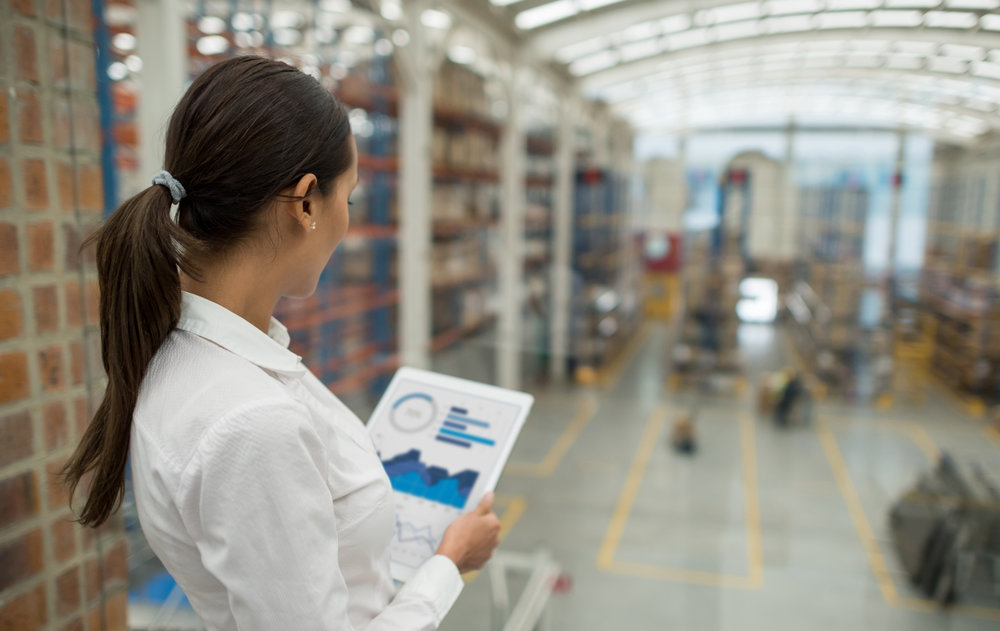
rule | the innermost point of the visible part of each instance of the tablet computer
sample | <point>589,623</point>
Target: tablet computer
<point>444,442</point>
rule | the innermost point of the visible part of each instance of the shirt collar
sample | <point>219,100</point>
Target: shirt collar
<point>217,324</point>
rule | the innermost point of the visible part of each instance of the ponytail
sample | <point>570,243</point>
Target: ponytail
<point>139,252</point>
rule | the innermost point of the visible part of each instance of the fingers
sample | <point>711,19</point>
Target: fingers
<point>486,504</point>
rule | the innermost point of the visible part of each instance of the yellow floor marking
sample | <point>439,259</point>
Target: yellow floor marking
<point>606,557</point>
<point>875,558</point>
<point>993,434</point>
<point>514,509</point>
<point>551,462</point>
<point>885,401</point>
<point>613,375</point>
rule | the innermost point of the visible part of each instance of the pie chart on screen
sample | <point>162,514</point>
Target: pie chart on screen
<point>413,412</point>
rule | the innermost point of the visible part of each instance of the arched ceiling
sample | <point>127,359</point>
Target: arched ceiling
<point>681,65</point>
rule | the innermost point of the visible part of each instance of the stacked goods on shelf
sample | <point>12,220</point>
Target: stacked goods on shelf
<point>465,206</point>
<point>537,252</point>
<point>837,312</point>
<point>605,313</point>
<point>958,288</point>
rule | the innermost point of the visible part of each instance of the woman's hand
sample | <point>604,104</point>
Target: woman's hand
<point>469,541</point>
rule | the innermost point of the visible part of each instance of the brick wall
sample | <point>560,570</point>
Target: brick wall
<point>53,573</point>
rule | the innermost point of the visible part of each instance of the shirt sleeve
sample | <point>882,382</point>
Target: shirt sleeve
<point>255,500</point>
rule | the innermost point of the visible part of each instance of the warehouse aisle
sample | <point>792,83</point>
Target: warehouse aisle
<point>761,529</point>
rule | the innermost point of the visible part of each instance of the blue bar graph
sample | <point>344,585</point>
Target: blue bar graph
<point>452,441</point>
<point>476,439</point>
<point>462,411</point>
<point>455,425</point>
<point>466,420</point>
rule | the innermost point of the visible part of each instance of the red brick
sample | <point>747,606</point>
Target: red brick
<point>91,187</point>
<point>116,563</point>
<point>21,558</point>
<point>55,426</point>
<point>18,498</point>
<point>86,125</point>
<point>94,622</point>
<point>17,438</point>
<point>82,67</point>
<point>82,415</point>
<point>14,384</point>
<point>92,580</point>
<point>41,247</point>
<point>10,258</point>
<point>93,304</point>
<point>11,314</point>
<point>60,123</point>
<point>24,7</point>
<point>64,539</point>
<point>27,612</point>
<point>52,369</point>
<point>68,591</point>
<point>74,625</point>
<point>74,305</point>
<point>36,186</point>
<point>58,63</point>
<point>46,309</point>
<point>64,184</point>
<point>76,359</point>
<point>116,612</point>
<point>29,113</point>
<point>80,16</point>
<point>4,125</point>
<point>6,184</point>
<point>58,492</point>
<point>25,53</point>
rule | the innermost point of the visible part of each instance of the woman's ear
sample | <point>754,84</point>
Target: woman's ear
<point>300,207</point>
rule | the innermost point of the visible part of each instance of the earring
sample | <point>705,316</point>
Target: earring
<point>313,225</point>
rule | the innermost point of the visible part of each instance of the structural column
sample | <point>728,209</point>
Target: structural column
<point>562,231</point>
<point>511,256</point>
<point>162,46</point>
<point>895,208</point>
<point>416,120</point>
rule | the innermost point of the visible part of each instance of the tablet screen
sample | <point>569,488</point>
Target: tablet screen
<point>443,446</point>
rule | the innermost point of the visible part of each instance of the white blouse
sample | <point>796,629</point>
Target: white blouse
<point>262,494</point>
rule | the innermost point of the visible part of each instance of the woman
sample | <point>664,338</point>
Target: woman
<point>259,491</point>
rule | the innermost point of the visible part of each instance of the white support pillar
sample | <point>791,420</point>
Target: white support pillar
<point>788,250</point>
<point>511,259</point>
<point>162,46</point>
<point>562,232</point>
<point>895,208</point>
<point>416,120</point>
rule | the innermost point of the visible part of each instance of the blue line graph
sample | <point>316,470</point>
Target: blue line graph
<point>463,419</point>
<point>475,439</point>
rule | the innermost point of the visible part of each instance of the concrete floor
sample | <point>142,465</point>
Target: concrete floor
<point>763,529</point>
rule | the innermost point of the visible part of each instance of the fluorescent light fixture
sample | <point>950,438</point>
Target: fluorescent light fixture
<point>911,4</point>
<point>950,19</point>
<point>463,55</point>
<point>917,48</point>
<point>788,24</point>
<point>212,45</point>
<point>905,61</point>
<point>675,23</point>
<point>973,4</point>
<point>689,39</point>
<point>842,5</point>
<point>639,50</point>
<point>986,69</point>
<point>947,64</point>
<point>844,19</point>
<point>736,12</point>
<point>590,5</point>
<point>738,30</point>
<point>391,10</point>
<point>886,19</point>
<point>359,35</point>
<point>990,22</point>
<point>961,51</point>
<point>788,7</point>
<point>118,71</point>
<point>639,32</point>
<point>870,46</point>
<point>593,63</point>
<point>567,54</point>
<point>436,19</point>
<point>545,14</point>
<point>503,3</point>
<point>336,6</point>
<point>863,61</point>
<point>123,41</point>
<point>211,25</point>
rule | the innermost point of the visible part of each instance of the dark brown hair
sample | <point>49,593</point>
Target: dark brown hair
<point>247,129</point>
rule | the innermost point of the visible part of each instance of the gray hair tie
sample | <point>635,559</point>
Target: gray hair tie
<point>177,192</point>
